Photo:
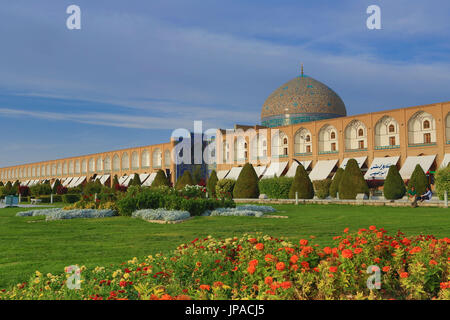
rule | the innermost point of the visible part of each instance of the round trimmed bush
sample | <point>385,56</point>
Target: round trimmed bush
<point>334,187</point>
<point>394,187</point>
<point>160,179</point>
<point>301,184</point>
<point>418,180</point>
<point>211,185</point>
<point>246,186</point>
<point>352,181</point>
<point>185,180</point>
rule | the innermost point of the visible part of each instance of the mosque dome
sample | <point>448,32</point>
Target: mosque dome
<point>302,99</point>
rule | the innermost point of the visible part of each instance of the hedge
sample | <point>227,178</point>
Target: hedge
<point>322,188</point>
<point>71,198</point>
<point>442,180</point>
<point>224,188</point>
<point>276,188</point>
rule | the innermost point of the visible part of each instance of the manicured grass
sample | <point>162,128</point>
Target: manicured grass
<point>30,243</point>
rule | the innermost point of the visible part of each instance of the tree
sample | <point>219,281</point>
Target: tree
<point>185,180</point>
<point>301,185</point>
<point>136,181</point>
<point>160,179</point>
<point>418,180</point>
<point>115,183</point>
<point>9,189</point>
<point>442,180</point>
<point>197,175</point>
<point>352,181</point>
<point>55,186</point>
<point>211,185</point>
<point>15,187</point>
<point>246,186</point>
<point>394,187</point>
<point>334,187</point>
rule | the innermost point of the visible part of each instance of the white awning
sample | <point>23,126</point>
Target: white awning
<point>104,178</point>
<point>359,160</point>
<point>411,162</point>
<point>322,169</point>
<point>260,170</point>
<point>128,180</point>
<point>221,174</point>
<point>446,160</point>
<point>122,179</point>
<point>67,182</point>
<point>275,168</point>
<point>234,173</point>
<point>98,177</point>
<point>143,177</point>
<point>293,168</point>
<point>149,180</point>
<point>379,168</point>
<point>79,181</point>
<point>73,182</point>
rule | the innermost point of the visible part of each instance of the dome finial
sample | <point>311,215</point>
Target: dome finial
<point>302,69</point>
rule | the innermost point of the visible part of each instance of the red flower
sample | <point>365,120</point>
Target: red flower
<point>327,250</point>
<point>205,287</point>
<point>333,269</point>
<point>268,280</point>
<point>404,275</point>
<point>386,268</point>
<point>280,266</point>
<point>345,230</point>
<point>286,284</point>
<point>251,269</point>
<point>259,246</point>
<point>294,259</point>
<point>269,257</point>
<point>433,262</point>
<point>372,228</point>
<point>347,253</point>
<point>303,242</point>
<point>358,250</point>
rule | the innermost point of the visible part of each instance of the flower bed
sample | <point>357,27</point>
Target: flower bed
<point>61,214</point>
<point>226,212</point>
<point>161,214</point>
<point>263,267</point>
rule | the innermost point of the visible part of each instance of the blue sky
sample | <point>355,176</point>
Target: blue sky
<point>138,69</point>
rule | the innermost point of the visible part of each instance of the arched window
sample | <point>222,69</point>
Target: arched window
<point>386,133</point>
<point>91,165</point>
<point>302,141</point>
<point>421,129</point>
<point>116,163</point>
<point>391,128</point>
<point>167,159</point>
<point>447,128</point>
<point>157,158</point>
<point>355,135</point>
<point>360,132</point>
<point>258,147</point>
<point>84,166</point>
<point>280,144</point>
<point>125,161</point>
<point>71,167</point>
<point>145,159</point>
<point>107,164</point>
<point>135,160</point>
<point>99,164</point>
<point>327,139</point>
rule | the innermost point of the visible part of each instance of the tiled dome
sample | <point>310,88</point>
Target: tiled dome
<point>302,99</point>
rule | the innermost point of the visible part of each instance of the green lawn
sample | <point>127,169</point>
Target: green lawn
<point>30,243</point>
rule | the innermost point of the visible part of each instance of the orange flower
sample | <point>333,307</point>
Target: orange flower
<point>333,269</point>
<point>198,264</point>
<point>433,262</point>
<point>268,280</point>
<point>347,253</point>
<point>294,259</point>
<point>358,250</point>
<point>286,284</point>
<point>259,246</point>
<point>372,228</point>
<point>345,230</point>
<point>218,284</point>
<point>303,242</point>
<point>251,269</point>
<point>327,250</point>
<point>280,266</point>
<point>404,275</point>
<point>253,262</point>
<point>386,268</point>
<point>205,287</point>
<point>269,257</point>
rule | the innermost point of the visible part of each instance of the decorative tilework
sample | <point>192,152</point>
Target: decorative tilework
<point>386,147</point>
<point>302,95</point>
<point>422,144</point>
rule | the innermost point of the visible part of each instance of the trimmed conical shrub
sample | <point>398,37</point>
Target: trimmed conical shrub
<point>246,186</point>
<point>160,179</point>
<point>185,180</point>
<point>394,187</point>
<point>136,180</point>
<point>418,180</point>
<point>55,186</point>
<point>334,187</point>
<point>1,184</point>
<point>115,183</point>
<point>15,187</point>
<point>211,185</point>
<point>352,181</point>
<point>301,184</point>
